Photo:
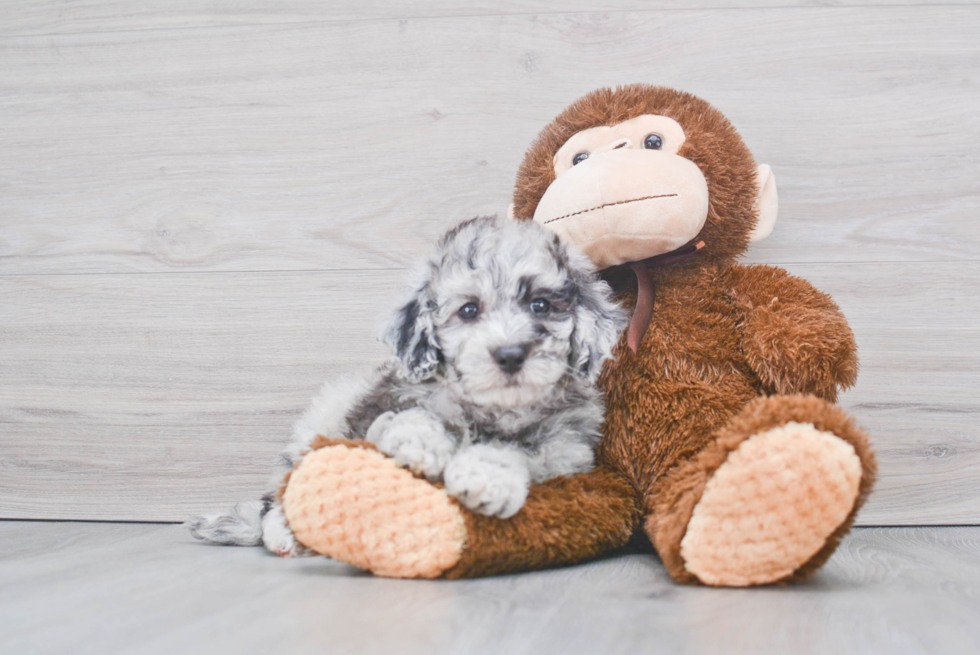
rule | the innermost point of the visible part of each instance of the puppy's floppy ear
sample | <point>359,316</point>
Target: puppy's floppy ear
<point>411,333</point>
<point>599,322</point>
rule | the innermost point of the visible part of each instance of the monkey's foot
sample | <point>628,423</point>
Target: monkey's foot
<point>771,506</point>
<point>768,500</point>
<point>353,504</point>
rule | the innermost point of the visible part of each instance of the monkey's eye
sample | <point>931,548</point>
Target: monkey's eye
<point>469,311</point>
<point>540,306</point>
<point>579,158</point>
<point>653,142</point>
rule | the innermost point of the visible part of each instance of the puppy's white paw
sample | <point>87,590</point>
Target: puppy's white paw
<point>489,480</point>
<point>414,439</point>
<point>276,535</point>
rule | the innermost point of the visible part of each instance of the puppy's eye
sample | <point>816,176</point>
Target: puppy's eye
<point>579,158</point>
<point>540,306</point>
<point>653,142</point>
<point>469,311</point>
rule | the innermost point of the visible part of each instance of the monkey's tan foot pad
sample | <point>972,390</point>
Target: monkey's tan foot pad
<point>771,506</point>
<point>357,506</point>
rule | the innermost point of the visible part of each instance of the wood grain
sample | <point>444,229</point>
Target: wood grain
<point>125,397</point>
<point>98,588</point>
<point>154,397</point>
<point>207,208</point>
<point>295,146</point>
<point>918,334</point>
<point>53,17</point>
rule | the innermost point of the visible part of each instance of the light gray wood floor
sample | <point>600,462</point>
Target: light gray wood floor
<point>117,588</point>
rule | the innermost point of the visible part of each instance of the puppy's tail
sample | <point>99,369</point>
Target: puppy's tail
<point>241,526</point>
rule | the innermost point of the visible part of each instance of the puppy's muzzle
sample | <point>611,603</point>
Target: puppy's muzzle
<point>510,359</point>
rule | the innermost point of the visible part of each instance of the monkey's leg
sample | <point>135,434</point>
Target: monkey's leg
<point>349,502</point>
<point>768,500</point>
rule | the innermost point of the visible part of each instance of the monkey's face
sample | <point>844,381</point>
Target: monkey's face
<point>623,193</point>
<point>638,171</point>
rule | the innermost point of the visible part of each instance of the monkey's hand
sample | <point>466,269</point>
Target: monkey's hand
<point>415,439</point>
<point>489,480</point>
<point>795,337</point>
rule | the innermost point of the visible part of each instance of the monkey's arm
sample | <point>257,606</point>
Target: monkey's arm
<point>795,337</point>
<point>348,502</point>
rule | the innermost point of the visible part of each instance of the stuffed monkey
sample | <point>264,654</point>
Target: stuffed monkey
<point>722,441</point>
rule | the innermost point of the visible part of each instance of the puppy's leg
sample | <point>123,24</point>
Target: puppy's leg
<point>490,480</point>
<point>560,457</point>
<point>415,439</point>
<point>239,526</point>
<point>276,535</point>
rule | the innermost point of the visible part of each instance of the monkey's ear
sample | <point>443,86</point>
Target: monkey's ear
<point>599,323</point>
<point>510,210</point>
<point>411,333</point>
<point>766,204</point>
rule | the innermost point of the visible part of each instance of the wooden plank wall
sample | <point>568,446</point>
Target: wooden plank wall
<point>206,209</point>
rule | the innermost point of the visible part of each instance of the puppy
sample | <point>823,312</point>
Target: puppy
<point>498,349</point>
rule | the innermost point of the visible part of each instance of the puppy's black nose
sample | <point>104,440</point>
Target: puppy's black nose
<point>510,358</point>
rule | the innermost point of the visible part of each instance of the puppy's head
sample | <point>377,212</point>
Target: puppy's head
<point>505,310</point>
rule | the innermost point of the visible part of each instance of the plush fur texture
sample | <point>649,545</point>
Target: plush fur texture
<point>722,334</point>
<point>498,348</point>
<point>771,505</point>
<point>429,525</point>
<point>564,520</point>
<point>674,497</point>
<point>732,351</point>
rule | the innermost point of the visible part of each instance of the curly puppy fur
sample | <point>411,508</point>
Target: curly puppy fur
<point>498,349</point>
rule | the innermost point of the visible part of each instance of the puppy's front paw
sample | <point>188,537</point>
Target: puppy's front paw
<point>276,535</point>
<point>489,480</point>
<point>415,439</point>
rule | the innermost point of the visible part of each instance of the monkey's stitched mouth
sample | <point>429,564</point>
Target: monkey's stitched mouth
<point>610,204</point>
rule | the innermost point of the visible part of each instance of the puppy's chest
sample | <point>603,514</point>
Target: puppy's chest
<point>474,424</point>
<point>486,427</point>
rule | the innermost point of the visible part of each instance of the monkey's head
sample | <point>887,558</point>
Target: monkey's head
<point>639,171</point>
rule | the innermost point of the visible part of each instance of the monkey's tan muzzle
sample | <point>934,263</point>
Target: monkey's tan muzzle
<point>626,205</point>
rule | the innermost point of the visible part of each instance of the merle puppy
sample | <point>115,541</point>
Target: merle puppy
<point>498,349</point>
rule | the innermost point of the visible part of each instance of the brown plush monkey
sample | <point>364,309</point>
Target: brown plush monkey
<point>722,441</point>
